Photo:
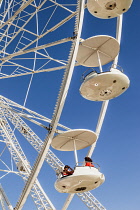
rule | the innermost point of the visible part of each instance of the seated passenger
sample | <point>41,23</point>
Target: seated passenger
<point>88,162</point>
<point>67,171</point>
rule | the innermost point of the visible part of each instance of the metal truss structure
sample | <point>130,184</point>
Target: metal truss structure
<point>13,113</point>
<point>37,192</point>
<point>25,37</point>
<point>16,17</point>
<point>15,20</point>
<point>4,200</point>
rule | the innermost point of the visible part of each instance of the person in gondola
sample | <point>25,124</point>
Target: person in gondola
<point>67,171</point>
<point>88,162</point>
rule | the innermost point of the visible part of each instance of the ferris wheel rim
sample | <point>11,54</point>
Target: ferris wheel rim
<point>32,42</point>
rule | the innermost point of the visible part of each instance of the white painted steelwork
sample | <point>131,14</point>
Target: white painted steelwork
<point>20,72</point>
<point>106,103</point>
<point>39,196</point>
<point>91,201</point>
<point>88,197</point>
<point>8,108</point>
<point>15,31</point>
<point>57,112</point>
<point>107,9</point>
<point>4,199</point>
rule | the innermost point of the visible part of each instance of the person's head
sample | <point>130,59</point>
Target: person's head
<point>66,167</point>
<point>88,159</point>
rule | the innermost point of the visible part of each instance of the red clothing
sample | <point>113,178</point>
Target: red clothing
<point>89,164</point>
<point>68,173</point>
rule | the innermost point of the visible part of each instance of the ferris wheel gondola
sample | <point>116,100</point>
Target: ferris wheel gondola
<point>105,85</point>
<point>84,178</point>
<point>95,52</point>
<point>106,9</point>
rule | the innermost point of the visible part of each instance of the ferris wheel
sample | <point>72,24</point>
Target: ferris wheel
<point>45,36</point>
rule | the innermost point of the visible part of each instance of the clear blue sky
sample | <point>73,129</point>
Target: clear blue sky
<point>117,150</point>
